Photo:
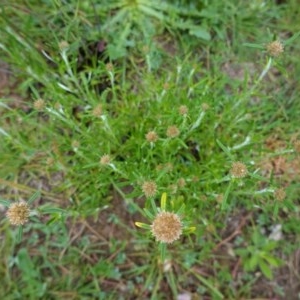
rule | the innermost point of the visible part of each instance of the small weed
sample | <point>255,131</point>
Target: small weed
<point>107,107</point>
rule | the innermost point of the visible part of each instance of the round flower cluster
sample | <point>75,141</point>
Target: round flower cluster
<point>280,194</point>
<point>105,159</point>
<point>274,48</point>
<point>151,136</point>
<point>18,213</point>
<point>149,188</point>
<point>238,170</point>
<point>172,131</point>
<point>166,227</point>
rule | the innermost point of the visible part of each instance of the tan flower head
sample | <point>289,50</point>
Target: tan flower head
<point>280,194</point>
<point>183,110</point>
<point>97,111</point>
<point>172,131</point>
<point>149,188</point>
<point>166,86</point>
<point>63,45</point>
<point>181,182</point>
<point>18,213</point>
<point>238,170</point>
<point>105,159</point>
<point>109,67</point>
<point>39,104</point>
<point>274,48</point>
<point>151,136</point>
<point>166,227</point>
<point>204,106</point>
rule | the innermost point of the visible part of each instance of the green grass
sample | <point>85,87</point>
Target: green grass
<point>109,73</point>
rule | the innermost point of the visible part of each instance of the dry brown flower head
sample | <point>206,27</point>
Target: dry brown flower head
<point>205,106</point>
<point>63,45</point>
<point>280,194</point>
<point>151,136</point>
<point>18,213</point>
<point>149,188</point>
<point>166,227</point>
<point>275,48</point>
<point>97,111</point>
<point>39,104</point>
<point>181,182</point>
<point>238,170</point>
<point>105,159</point>
<point>172,131</point>
<point>109,67</point>
<point>183,110</point>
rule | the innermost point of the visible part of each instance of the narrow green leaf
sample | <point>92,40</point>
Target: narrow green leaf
<point>273,261</point>
<point>190,229</point>
<point>50,210</point>
<point>256,237</point>
<point>151,12</point>
<point>163,201</point>
<point>52,220</point>
<point>19,234</point>
<point>253,261</point>
<point>200,32</point>
<point>253,175</point>
<point>148,214</point>
<point>180,211</point>
<point>224,201</point>
<point>162,248</point>
<point>247,264</point>
<point>172,283</point>
<point>275,210</point>
<point>143,225</point>
<point>257,46</point>
<point>26,265</point>
<point>291,39</point>
<point>271,245</point>
<point>265,269</point>
<point>36,195</point>
<point>5,203</point>
<point>153,205</point>
<point>224,148</point>
<point>209,285</point>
